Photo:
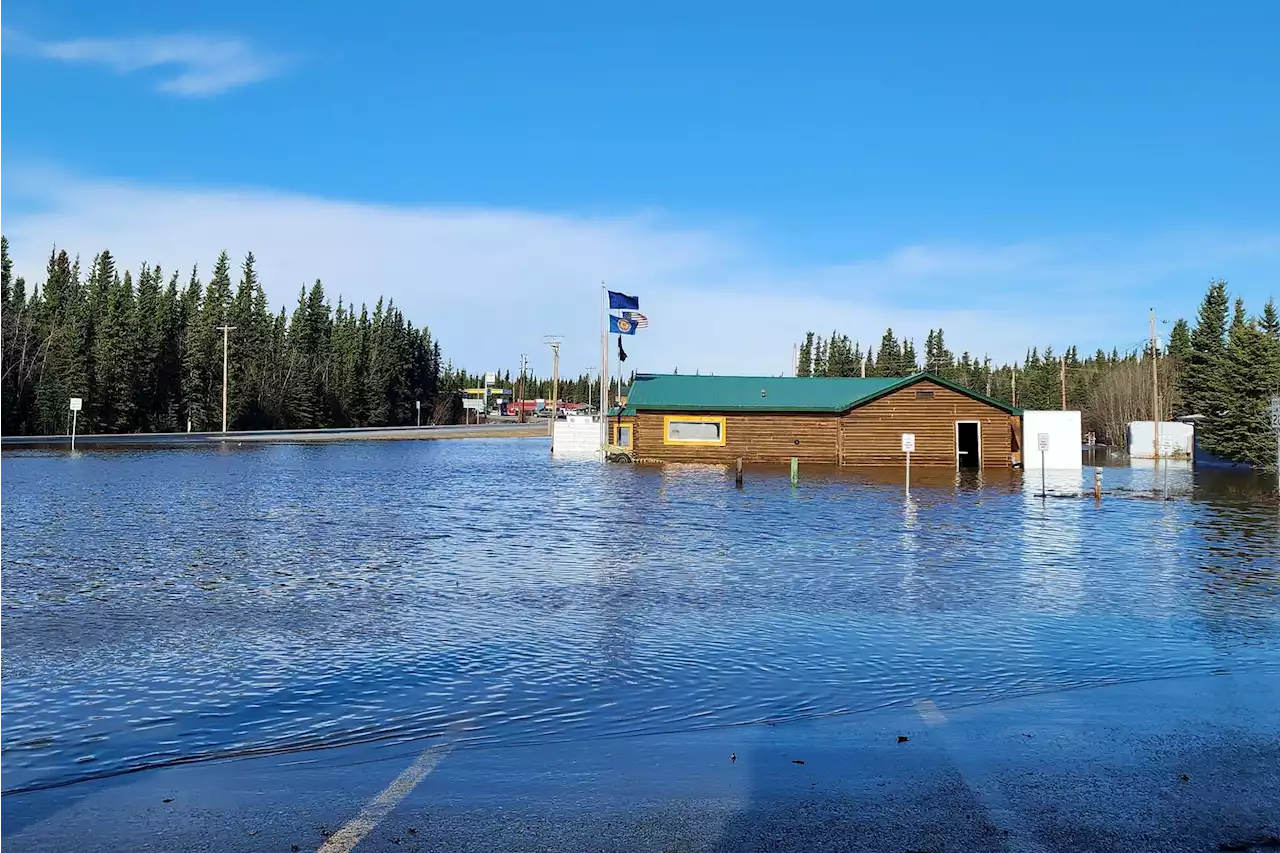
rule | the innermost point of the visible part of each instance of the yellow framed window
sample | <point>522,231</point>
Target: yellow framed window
<point>622,435</point>
<point>693,429</point>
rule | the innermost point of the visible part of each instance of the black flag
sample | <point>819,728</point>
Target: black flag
<point>622,354</point>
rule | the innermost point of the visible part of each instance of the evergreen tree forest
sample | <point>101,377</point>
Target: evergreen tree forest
<point>1225,368</point>
<point>145,354</point>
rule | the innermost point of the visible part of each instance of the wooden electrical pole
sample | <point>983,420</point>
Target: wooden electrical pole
<point>226,331</point>
<point>520,414</point>
<point>1155,393</point>
<point>1013,385</point>
<point>554,343</point>
<point>1062,379</point>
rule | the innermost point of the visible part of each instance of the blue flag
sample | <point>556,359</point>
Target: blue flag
<point>621,326</point>
<point>621,300</point>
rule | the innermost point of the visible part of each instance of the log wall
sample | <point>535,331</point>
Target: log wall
<point>872,434</point>
<point>762,437</point>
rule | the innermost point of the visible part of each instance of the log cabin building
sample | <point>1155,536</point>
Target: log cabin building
<point>856,422</point>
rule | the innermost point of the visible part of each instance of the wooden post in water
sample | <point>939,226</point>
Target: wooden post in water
<point>737,477</point>
<point>795,470</point>
<point>1097,484</point>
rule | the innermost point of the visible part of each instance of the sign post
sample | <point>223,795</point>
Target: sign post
<point>419,402</point>
<point>76,405</point>
<point>908,446</point>
<point>1042,441</point>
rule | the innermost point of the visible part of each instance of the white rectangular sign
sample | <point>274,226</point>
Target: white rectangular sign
<point>490,378</point>
<point>908,442</point>
<point>474,405</point>
<point>1042,441</point>
<point>76,404</point>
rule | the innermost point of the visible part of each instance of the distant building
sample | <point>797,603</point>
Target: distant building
<point>1177,439</point>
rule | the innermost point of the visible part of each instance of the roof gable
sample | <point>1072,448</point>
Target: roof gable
<point>676,392</point>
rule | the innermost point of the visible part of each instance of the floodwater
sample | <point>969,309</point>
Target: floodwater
<point>170,606</point>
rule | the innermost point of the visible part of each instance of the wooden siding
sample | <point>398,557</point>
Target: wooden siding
<point>761,437</point>
<point>872,434</point>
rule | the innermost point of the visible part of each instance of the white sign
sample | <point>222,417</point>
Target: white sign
<point>489,379</point>
<point>76,404</point>
<point>1042,441</point>
<point>419,402</point>
<point>474,405</point>
<point>908,442</point>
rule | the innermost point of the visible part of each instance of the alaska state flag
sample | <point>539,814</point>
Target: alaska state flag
<point>621,326</point>
<point>621,300</point>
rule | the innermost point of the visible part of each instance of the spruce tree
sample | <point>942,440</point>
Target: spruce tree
<point>889,358</point>
<point>1203,378</point>
<point>1269,324</point>
<point>804,366</point>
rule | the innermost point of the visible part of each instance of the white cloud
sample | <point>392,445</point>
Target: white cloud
<point>490,283</point>
<point>196,65</point>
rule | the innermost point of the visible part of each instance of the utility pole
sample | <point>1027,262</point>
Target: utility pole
<point>524,359</point>
<point>553,341</point>
<point>226,330</point>
<point>589,369</point>
<point>1155,394</point>
<point>1013,385</point>
<point>863,370</point>
<point>986,366</point>
<point>1062,379</point>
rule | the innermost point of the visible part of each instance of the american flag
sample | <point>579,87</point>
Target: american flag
<point>640,321</point>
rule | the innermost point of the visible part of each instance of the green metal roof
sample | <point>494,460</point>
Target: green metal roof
<point>682,392</point>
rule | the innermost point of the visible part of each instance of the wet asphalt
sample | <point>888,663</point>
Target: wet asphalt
<point>1185,764</point>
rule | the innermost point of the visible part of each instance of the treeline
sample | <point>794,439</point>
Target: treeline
<point>1226,372</point>
<point>1229,374</point>
<point>145,354</point>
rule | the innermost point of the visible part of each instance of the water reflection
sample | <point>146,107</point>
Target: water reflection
<point>181,605</point>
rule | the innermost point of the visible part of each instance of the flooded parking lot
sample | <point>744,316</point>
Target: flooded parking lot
<point>166,607</point>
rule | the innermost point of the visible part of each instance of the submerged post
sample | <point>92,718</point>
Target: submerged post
<point>1042,440</point>
<point>908,445</point>
<point>76,403</point>
<point>795,470</point>
<point>1097,484</point>
<point>737,477</point>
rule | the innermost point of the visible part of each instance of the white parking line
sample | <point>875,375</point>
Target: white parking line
<point>930,712</point>
<point>377,809</point>
<point>1000,811</point>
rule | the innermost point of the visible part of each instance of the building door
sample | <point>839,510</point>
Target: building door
<point>968,444</point>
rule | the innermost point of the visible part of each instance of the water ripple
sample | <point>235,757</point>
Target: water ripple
<point>167,607</point>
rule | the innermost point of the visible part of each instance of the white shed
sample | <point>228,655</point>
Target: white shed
<point>1176,439</point>
<point>1063,429</point>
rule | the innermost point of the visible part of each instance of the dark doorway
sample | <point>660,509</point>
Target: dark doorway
<point>968,450</point>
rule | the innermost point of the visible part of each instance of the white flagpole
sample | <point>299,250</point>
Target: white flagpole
<point>604,370</point>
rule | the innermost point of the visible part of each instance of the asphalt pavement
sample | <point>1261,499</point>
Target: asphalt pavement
<point>1188,764</point>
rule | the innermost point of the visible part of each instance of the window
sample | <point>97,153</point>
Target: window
<point>680,429</point>
<point>622,435</point>
<point>924,395</point>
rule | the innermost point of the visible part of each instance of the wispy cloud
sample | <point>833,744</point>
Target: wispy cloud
<point>194,65</point>
<point>491,282</point>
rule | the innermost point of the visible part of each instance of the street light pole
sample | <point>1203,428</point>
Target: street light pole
<point>226,331</point>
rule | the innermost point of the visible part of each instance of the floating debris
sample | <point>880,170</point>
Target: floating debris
<point>796,761</point>
<point>903,738</point>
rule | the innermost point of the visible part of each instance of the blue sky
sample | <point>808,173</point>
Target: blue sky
<point>1018,175</point>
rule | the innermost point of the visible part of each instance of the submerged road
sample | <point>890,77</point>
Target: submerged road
<point>1185,764</point>
<point>178,439</point>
